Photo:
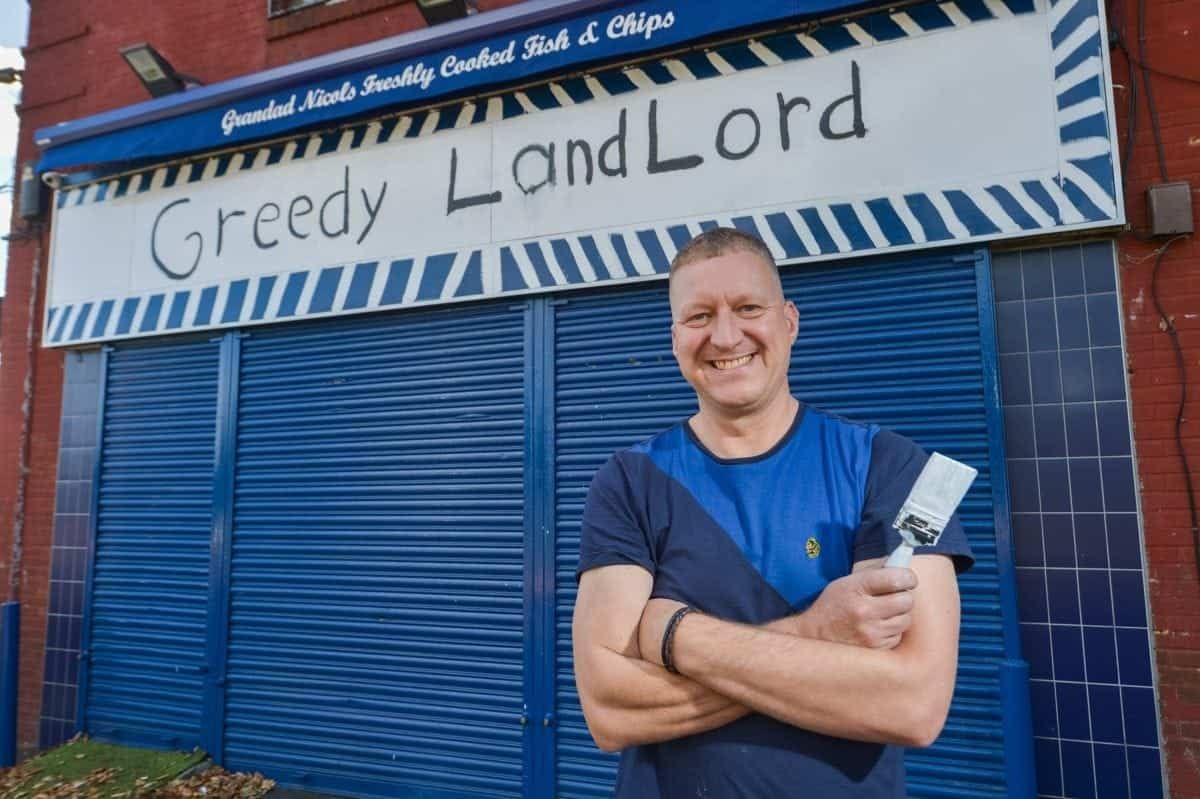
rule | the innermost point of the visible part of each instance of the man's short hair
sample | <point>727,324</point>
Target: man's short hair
<point>719,241</point>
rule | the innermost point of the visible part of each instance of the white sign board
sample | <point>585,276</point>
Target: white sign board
<point>977,130</point>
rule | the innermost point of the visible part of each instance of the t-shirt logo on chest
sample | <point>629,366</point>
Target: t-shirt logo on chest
<point>812,548</point>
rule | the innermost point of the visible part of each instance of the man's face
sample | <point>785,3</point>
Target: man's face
<point>732,332</point>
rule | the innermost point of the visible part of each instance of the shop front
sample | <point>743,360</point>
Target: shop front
<point>360,343</point>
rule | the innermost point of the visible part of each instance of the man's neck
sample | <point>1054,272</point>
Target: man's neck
<point>745,436</point>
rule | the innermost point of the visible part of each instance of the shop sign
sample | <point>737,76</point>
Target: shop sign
<point>940,137</point>
<point>633,28</point>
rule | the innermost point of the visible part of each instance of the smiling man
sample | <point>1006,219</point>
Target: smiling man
<point>734,632</point>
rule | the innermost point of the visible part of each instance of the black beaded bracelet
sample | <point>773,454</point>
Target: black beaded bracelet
<point>669,637</point>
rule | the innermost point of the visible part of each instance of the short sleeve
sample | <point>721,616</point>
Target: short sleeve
<point>895,464</point>
<point>613,531</point>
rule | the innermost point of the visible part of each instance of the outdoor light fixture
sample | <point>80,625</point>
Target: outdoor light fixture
<point>10,75</point>
<point>438,11</point>
<point>154,71</point>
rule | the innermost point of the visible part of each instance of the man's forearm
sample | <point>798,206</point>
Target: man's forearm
<point>899,695</point>
<point>835,689</point>
<point>640,702</point>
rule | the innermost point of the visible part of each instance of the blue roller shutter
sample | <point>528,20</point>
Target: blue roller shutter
<point>376,601</point>
<point>144,666</point>
<point>895,342</point>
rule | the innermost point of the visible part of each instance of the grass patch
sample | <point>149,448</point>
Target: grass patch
<point>92,770</point>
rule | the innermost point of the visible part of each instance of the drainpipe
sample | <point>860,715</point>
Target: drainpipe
<point>10,611</point>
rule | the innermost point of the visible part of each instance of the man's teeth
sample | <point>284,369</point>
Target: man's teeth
<point>733,363</point>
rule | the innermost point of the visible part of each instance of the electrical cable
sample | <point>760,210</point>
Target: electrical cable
<point>1168,326</point>
<point>1150,104</point>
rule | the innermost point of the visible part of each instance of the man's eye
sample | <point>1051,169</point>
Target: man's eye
<point>750,309</point>
<point>697,319</point>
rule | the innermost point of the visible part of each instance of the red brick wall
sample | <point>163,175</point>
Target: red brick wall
<point>73,70</point>
<point>1172,27</point>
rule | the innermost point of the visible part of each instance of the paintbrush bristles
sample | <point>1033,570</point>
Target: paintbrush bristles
<point>939,488</point>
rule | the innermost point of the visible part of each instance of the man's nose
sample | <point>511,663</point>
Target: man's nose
<point>726,333</point>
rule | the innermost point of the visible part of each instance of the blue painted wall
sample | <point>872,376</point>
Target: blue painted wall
<point>1080,573</point>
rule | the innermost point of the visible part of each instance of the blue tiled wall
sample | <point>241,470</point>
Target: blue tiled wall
<point>1080,579</point>
<point>76,456</point>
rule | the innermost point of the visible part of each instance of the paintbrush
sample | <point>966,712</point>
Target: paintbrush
<point>939,488</point>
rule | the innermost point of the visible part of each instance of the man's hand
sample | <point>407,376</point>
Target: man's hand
<point>871,607</point>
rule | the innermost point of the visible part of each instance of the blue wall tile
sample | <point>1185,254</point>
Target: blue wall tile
<point>1119,488</point>
<point>1031,595</point>
<point>1037,275</point>
<point>1078,774</point>
<point>1091,541</point>
<point>1112,778</point>
<point>1054,485</point>
<point>1018,431</point>
<point>1104,320</point>
<point>1133,657</point>
<point>1023,486</point>
<point>1100,654</point>
<point>1113,421</point>
<point>1006,276</point>
<point>1048,766</point>
<point>1076,375</point>
<point>1108,370</point>
<point>1014,379</point>
<point>1086,493</point>
<point>1046,377</point>
<point>1066,644</point>
<point>1035,646</point>
<point>1027,539</point>
<point>1095,597</point>
<point>1145,771</point>
<point>1131,609</point>
<point>1050,430</point>
<point>1072,322</point>
<point>1062,593</point>
<point>1058,539</point>
<point>1107,723</point>
<point>1045,709</point>
<point>1124,542</point>
<point>1099,268</point>
<point>1141,722</point>
<point>1080,421</point>
<point>1041,325</point>
<point>1010,326</point>
<point>1068,270</point>
<point>1073,716</point>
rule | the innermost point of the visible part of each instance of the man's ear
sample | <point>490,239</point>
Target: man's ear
<point>674,343</point>
<point>793,317</point>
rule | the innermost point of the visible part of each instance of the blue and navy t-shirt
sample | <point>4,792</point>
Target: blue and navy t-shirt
<point>752,540</point>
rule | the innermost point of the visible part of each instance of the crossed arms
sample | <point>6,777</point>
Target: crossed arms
<point>873,659</point>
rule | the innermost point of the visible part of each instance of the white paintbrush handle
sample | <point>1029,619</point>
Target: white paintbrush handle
<point>900,558</point>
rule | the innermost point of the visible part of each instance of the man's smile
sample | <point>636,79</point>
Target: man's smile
<point>732,363</point>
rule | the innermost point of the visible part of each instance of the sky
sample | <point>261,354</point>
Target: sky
<point>14,22</point>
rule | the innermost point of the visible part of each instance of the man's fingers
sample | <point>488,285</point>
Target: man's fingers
<point>888,643</point>
<point>889,605</point>
<point>887,580</point>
